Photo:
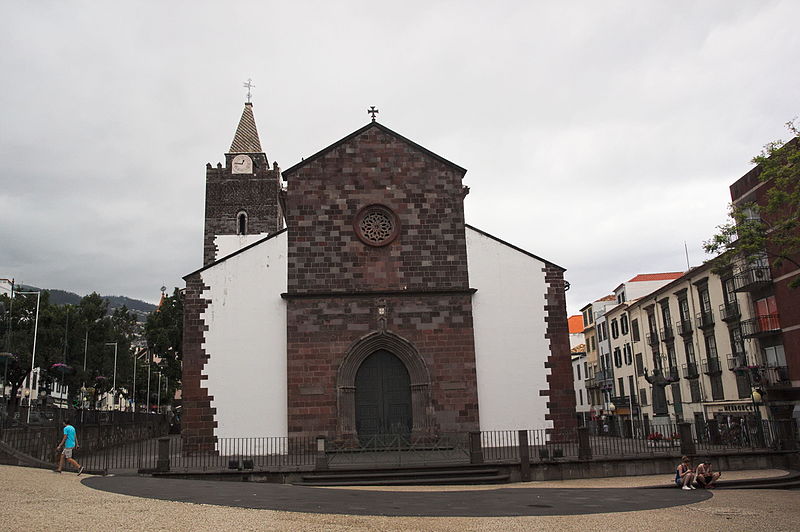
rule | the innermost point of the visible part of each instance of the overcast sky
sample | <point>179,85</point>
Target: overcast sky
<point>597,135</point>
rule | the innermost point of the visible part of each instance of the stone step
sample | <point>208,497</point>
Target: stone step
<point>418,473</point>
<point>418,481</point>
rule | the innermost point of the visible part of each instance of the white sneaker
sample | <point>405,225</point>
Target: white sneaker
<point>693,487</point>
<point>687,488</point>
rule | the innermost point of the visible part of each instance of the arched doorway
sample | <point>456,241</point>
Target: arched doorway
<point>382,397</point>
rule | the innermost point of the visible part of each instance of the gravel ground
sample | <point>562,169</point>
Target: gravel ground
<point>34,499</point>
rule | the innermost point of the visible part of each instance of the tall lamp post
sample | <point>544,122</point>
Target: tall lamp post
<point>7,353</point>
<point>35,333</point>
<point>114,382</point>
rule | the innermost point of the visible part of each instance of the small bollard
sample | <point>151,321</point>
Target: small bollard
<point>162,464</point>
<point>584,447</point>
<point>524,457</point>
<point>475,448</point>
<point>321,462</point>
<point>687,441</point>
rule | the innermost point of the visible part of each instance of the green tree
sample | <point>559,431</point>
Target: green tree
<point>164,333</point>
<point>771,226</point>
<point>71,337</point>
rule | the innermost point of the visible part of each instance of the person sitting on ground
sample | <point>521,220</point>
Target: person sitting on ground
<point>68,444</point>
<point>705,476</point>
<point>684,475</point>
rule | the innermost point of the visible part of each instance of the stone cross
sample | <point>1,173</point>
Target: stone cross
<point>372,111</point>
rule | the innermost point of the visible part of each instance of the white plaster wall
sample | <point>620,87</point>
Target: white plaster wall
<point>227,244</point>
<point>246,341</point>
<point>510,343</point>
<point>576,339</point>
<point>579,384</point>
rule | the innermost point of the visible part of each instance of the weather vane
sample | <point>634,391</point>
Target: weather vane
<point>372,111</point>
<point>249,85</point>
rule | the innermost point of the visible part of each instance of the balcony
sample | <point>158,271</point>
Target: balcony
<point>737,362</point>
<point>652,338</point>
<point>711,366</point>
<point>705,320</point>
<point>761,326</point>
<point>777,376</point>
<point>667,334</point>
<point>624,401</point>
<point>684,328</point>
<point>604,375</point>
<point>690,371</point>
<point>753,278</point>
<point>671,374</point>
<point>729,312</point>
<point>590,383</point>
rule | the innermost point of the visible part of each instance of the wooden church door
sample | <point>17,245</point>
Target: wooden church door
<point>383,397</point>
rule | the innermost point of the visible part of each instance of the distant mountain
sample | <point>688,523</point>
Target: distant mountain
<point>136,306</point>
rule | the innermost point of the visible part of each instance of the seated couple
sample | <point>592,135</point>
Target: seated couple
<point>703,477</point>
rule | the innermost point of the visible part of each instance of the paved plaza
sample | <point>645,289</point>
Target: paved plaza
<point>34,499</point>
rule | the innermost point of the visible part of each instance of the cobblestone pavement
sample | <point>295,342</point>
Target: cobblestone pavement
<point>33,499</point>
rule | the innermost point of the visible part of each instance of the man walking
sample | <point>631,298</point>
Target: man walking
<point>68,443</point>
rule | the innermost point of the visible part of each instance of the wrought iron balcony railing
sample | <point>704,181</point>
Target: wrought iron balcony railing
<point>652,338</point>
<point>737,361</point>
<point>761,326</point>
<point>752,278</point>
<point>690,370</point>
<point>684,328</point>
<point>711,366</point>
<point>705,319</point>
<point>729,311</point>
<point>624,400</point>
<point>671,373</point>
<point>667,334</point>
<point>777,376</point>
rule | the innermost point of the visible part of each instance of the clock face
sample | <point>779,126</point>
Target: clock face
<point>242,164</point>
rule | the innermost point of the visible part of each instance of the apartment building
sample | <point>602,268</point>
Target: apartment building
<point>773,329</point>
<point>609,349</point>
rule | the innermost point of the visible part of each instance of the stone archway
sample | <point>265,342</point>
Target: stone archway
<point>421,408</point>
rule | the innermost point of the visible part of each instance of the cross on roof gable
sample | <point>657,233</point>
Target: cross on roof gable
<point>359,131</point>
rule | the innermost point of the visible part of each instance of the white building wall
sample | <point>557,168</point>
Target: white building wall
<point>579,368</point>
<point>510,344</point>
<point>246,341</point>
<point>227,244</point>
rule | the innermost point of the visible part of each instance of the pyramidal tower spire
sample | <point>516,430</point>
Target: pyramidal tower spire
<point>242,197</point>
<point>246,138</point>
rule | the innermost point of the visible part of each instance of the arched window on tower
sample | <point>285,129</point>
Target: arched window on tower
<point>241,223</point>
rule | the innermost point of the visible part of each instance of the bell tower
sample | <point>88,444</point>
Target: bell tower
<point>242,197</point>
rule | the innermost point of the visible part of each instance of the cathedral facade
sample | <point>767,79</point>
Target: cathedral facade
<point>346,297</point>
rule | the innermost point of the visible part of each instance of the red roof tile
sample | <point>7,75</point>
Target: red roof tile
<point>668,276</point>
<point>576,324</point>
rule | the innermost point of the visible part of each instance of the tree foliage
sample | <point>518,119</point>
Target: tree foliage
<point>770,227</point>
<point>74,336</point>
<point>164,333</point>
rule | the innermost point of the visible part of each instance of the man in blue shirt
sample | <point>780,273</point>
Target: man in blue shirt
<point>68,444</point>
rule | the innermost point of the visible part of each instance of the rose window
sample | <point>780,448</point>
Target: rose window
<point>376,225</point>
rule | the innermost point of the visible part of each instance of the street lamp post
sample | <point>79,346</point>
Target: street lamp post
<point>7,354</point>
<point>35,333</point>
<point>114,381</point>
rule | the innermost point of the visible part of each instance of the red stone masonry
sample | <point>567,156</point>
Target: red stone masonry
<point>227,194</point>
<point>197,423</point>
<point>335,280</point>
<point>561,404</point>
<point>322,330</point>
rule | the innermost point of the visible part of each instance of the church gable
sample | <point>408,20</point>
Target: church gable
<point>375,212</point>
